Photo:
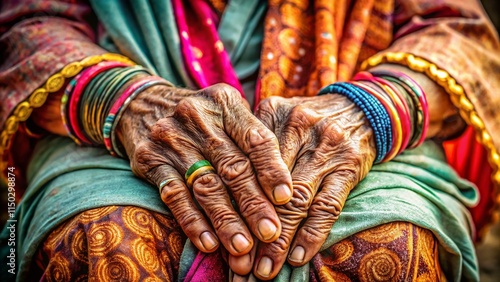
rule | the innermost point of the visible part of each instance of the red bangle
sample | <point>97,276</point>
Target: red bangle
<point>403,110</point>
<point>391,110</point>
<point>129,92</point>
<point>82,82</point>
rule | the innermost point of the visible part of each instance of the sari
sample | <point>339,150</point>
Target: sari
<point>196,44</point>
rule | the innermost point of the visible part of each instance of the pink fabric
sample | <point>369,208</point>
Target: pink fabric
<point>206,60</point>
<point>208,63</point>
<point>208,267</point>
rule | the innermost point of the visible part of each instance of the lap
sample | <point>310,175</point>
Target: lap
<point>114,243</point>
<point>414,188</point>
<point>133,244</point>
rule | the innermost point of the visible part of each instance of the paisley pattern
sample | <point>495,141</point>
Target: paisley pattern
<point>396,251</point>
<point>301,50</point>
<point>134,244</point>
<point>121,244</point>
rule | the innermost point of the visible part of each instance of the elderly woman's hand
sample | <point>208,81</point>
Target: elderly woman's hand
<point>165,130</point>
<point>328,145</point>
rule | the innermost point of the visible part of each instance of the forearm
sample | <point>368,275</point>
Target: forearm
<point>444,118</point>
<point>457,38</point>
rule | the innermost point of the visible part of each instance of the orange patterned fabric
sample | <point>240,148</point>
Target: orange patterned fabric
<point>112,243</point>
<point>397,251</point>
<point>133,244</point>
<point>305,47</point>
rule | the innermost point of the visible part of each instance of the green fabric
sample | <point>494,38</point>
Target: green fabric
<point>146,32</point>
<point>417,187</point>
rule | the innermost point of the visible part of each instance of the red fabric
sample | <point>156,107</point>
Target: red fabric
<point>470,159</point>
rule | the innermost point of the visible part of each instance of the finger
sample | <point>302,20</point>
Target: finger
<point>294,134</point>
<point>176,196</point>
<point>271,256</point>
<point>310,169</point>
<point>245,278</point>
<point>257,142</point>
<point>322,214</point>
<point>208,189</point>
<point>235,170</point>
<point>212,196</point>
<point>242,265</point>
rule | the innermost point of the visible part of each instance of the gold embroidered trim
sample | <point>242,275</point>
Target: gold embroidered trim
<point>23,110</point>
<point>457,96</point>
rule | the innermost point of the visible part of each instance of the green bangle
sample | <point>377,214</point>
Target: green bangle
<point>195,167</point>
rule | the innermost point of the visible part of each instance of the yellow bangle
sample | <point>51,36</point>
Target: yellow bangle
<point>53,84</point>
<point>457,96</point>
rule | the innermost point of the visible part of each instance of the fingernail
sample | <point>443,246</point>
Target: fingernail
<point>208,240</point>
<point>265,267</point>
<point>298,254</point>
<point>240,243</point>
<point>266,228</point>
<point>282,193</point>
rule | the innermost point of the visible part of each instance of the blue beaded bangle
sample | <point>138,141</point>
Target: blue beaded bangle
<point>374,111</point>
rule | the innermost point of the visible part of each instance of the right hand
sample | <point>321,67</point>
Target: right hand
<point>165,130</point>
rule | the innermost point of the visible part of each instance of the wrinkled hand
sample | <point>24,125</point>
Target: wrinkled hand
<point>165,130</point>
<point>327,144</point>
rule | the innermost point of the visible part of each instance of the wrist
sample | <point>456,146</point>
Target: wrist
<point>444,119</point>
<point>48,117</point>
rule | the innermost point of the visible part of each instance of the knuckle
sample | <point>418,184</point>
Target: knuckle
<point>172,193</point>
<point>314,233</point>
<point>144,160</point>
<point>224,220</point>
<point>259,139</point>
<point>252,206</point>
<point>303,117</point>
<point>280,246</point>
<point>302,195</point>
<point>185,108</point>
<point>189,220</point>
<point>207,186</point>
<point>235,169</point>
<point>328,207</point>
<point>222,92</point>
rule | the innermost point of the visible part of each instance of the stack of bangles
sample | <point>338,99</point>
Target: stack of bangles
<point>94,101</point>
<point>395,106</point>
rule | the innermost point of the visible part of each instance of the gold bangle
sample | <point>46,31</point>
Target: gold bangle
<point>457,96</point>
<point>197,173</point>
<point>53,84</point>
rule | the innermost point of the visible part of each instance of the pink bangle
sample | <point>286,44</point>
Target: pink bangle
<point>82,82</point>
<point>423,102</point>
<point>391,110</point>
<point>403,110</point>
<point>119,105</point>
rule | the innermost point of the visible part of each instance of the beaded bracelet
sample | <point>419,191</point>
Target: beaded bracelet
<point>74,100</point>
<point>119,107</point>
<point>374,111</point>
<point>403,111</point>
<point>405,106</point>
<point>393,114</point>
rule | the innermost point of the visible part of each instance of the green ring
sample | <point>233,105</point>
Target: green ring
<point>195,167</point>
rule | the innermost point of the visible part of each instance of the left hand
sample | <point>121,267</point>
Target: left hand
<point>328,145</point>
